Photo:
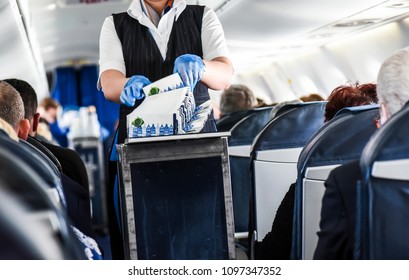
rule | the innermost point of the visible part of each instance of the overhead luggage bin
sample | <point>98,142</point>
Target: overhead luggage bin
<point>175,197</point>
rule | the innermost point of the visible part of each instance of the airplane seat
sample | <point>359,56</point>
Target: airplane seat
<point>70,195</point>
<point>239,142</point>
<point>40,163</point>
<point>243,132</point>
<point>383,200</point>
<point>45,159</point>
<point>274,155</point>
<point>226,122</point>
<point>75,184</point>
<point>32,225</point>
<point>71,163</point>
<point>339,141</point>
<point>36,143</point>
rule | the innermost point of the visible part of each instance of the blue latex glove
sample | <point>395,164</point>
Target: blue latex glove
<point>190,68</point>
<point>133,90</point>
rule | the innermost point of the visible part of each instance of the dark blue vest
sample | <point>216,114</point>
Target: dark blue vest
<point>142,56</point>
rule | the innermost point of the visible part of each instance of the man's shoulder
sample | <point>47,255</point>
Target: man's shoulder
<point>349,166</point>
<point>347,173</point>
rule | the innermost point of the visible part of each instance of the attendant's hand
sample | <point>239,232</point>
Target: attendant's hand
<point>133,90</point>
<point>190,68</point>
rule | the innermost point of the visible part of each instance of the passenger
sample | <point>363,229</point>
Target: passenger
<point>262,103</point>
<point>280,105</point>
<point>71,162</point>
<point>12,110</point>
<point>48,109</point>
<point>7,129</point>
<point>337,225</point>
<point>349,96</point>
<point>237,98</point>
<point>277,243</point>
<point>235,103</point>
<point>312,97</point>
<point>30,104</point>
<point>76,196</point>
<point>135,50</point>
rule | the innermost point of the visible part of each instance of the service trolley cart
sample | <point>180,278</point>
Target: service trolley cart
<point>175,197</point>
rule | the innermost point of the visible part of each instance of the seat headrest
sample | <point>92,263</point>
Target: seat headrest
<point>292,128</point>
<point>340,140</point>
<point>244,132</point>
<point>356,109</point>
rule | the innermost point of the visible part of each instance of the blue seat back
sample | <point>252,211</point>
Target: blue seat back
<point>46,169</point>
<point>244,132</point>
<point>383,201</point>
<point>32,225</point>
<point>274,156</point>
<point>36,143</point>
<point>338,141</point>
<point>226,122</point>
<point>242,136</point>
<point>291,127</point>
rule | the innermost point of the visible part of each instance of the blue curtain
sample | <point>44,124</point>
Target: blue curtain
<point>66,87</point>
<point>77,87</point>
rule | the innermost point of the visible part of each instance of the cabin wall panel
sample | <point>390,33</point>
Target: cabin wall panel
<point>356,58</point>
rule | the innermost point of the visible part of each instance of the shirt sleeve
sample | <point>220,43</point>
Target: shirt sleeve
<point>213,40</point>
<point>110,49</point>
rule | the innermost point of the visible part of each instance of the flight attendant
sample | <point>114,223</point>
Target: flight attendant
<point>152,40</point>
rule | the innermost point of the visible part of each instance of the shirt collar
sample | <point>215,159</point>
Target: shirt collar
<point>178,6</point>
<point>136,10</point>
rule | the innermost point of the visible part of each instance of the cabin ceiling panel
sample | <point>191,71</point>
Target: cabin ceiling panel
<point>256,30</point>
<point>70,32</point>
<point>274,21</point>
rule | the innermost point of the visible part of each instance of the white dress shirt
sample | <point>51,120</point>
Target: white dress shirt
<point>110,48</point>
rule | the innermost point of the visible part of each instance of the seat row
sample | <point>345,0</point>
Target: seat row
<point>296,147</point>
<point>44,213</point>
